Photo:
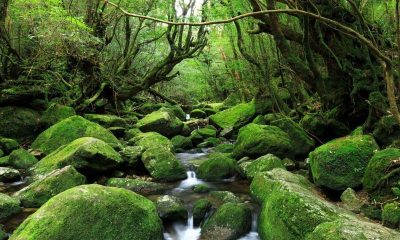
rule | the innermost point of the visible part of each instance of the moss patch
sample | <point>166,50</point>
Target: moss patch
<point>238,115</point>
<point>218,166</point>
<point>8,206</point>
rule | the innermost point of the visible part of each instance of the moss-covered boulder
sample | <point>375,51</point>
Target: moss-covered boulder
<point>200,208</point>
<point>341,163</point>
<point>163,165</point>
<point>21,159</point>
<point>301,142</point>
<point>391,215</point>
<point>170,208</point>
<point>8,206</point>
<point>137,185</point>
<point>198,113</point>
<point>108,121</point>
<point>201,188</point>
<point>230,221</point>
<point>180,142</point>
<point>261,165</point>
<point>236,116</point>
<point>381,171</point>
<point>18,123</point>
<point>387,130</point>
<point>224,148</point>
<point>152,139</point>
<point>117,214</point>
<point>131,155</point>
<point>218,166</point>
<point>163,122</point>
<point>9,175</point>
<point>225,197</point>
<point>86,154</point>
<point>8,145</point>
<point>257,140</point>
<point>40,191</point>
<point>70,129</point>
<point>55,113</point>
<point>351,201</point>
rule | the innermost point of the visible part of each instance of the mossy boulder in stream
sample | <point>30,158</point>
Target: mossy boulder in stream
<point>18,123</point>
<point>40,191</point>
<point>161,121</point>
<point>163,165</point>
<point>171,208</point>
<point>261,165</point>
<point>85,154</point>
<point>8,206</point>
<point>8,145</point>
<point>21,159</point>
<point>257,140</point>
<point>229,222</point>
<point>54,114</point>
<point>341,163</point>
<point>137,185</point>
<point>218,166</point>
<point>70,129</point>
<point>93,212</point>
<point>236,116</point>
<point>180,142</point>
<point>200,209</point>
<point>152,139</point>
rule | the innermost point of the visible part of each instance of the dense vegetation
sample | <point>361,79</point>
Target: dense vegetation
<point>300,99</point>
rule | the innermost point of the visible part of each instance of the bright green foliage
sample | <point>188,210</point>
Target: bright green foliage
<point>200,209</point>
<point>161,121</point>
<point>85,153</point>
<point>261,165</point>
<point>257,140</point>
<point>56,113</point>
<point>40,191</point>
<point>341,163</point>
<point>163,165</point>
<point>391,215</point>
<point>137,185</point>
<point>171,208</point>
<point>8,206</point>
<point>18,123</point>
<point>380,173</point>
<point>70,129</point>
<point>21,159</point>
<point>152,139</point>
<point>118,214</point>
<point>229,222</point>
<point>236,116</point>
<point>217,166</point>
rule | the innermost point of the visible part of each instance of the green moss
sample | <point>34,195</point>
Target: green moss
<point>163,122</point>
<point>217,166</point>
<point>379,169</point>
<point>200,209</point>
<point>83,154</point>
<point>386,131</point>
<point>391,215</point>
<point>152,139</point>
<point>107,121</point>
<point>56,113</point>
<point>351,200</point>
<point>201,188</point>
<point>171,208</point>
<point>4,161</point>
<point>21,159</point>
<point>181,142</point>
<point>137,185</point>
<point>3,235</point>
<point>8,206</point>
<point>9,175</point>
<point>341,163</point>
<point>18,123</point>
<point>132,133</point>
<point>259,120</point>
<point>40,191</point>
<point>70,129</point>
<point>230,221</point>
<point>224,148</point>
<point>257,140</point>
<point>225,196</point>
<point>117,214</point>
<point>207,132</point>
<point>236,116</point>
<point>197,113</point>
<point>8,145</point>
<point>163,165</point>
<point>261,165</point>
<point>132,155</point>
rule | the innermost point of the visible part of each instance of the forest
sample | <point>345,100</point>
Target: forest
<point>199,119</point>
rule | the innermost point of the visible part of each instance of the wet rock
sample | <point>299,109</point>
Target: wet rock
<point>200,209</point>
<point>85,154</point>
<point>137,185</point>
<point>257,140</point>
<point>171,208</point>
<point>341,163</point>
<point>40,191</point>
<point>8,206</point>
<point>69,130</point>
<point>118,214</point>
<point>163,122</point>
<point>230,221</point>
<point>21,159</point>
<point>9,175</point>
<point>218,166</point>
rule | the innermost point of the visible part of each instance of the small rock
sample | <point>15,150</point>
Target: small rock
<point>200,209</point>
<point>351,200</point>
<point>9,174</point>
<point>22,159</point>
<point>225,196</point>
<point>8,206</point>
<point>201,188</point>
<point>171,208</point>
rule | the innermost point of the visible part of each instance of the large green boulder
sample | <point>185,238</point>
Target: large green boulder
<point>93,212</point>
<point>218,166</point>
<point>257,140</point>
<point>181,142</point>
<point>381,173</point>
<point>131,155</point>
<point>18,123</point>
<point>40,191</point>
<point>301,142</point>
<point>8,145</point>
<point>152,139</point>
<point>163,165</point>
<point>108,121</point>
<point>236,116</point>
<point>8,206</point>
<point>21,159</point>
<point>229,222</point>
<point>163,122</point>
<point>341,163</point>
<point>54,114</point>
<point>86,154</point>
<point>70,129</point>
<point>171,208</point>
<point>137,185</point>
<point>261,165</point>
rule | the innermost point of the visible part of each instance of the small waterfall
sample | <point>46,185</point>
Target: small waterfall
<point>184,232</point>
<point>190,181</point>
